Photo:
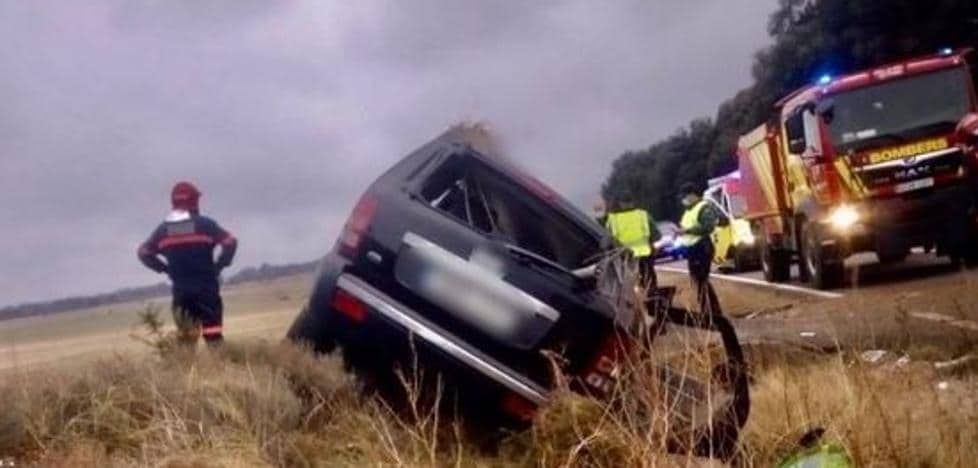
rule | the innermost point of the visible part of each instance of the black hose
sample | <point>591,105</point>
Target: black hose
<point>720,440</point>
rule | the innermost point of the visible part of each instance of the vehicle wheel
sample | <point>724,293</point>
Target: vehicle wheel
<point>822,270</point>
<point>310,330</point>
<point>970,249</point>
<point>776,264</point>
<point>971,253</point>
<point>744,261</point>
<point>735,260</point>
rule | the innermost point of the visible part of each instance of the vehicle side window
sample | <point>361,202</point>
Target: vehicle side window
<point>794,129</point>
<point>738,205</point>
<point>812,137</point>
<point>453,190</point>
<point>492,203</point>
<point>717,198</point>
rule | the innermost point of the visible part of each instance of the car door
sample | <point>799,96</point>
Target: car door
<point>722,235</point>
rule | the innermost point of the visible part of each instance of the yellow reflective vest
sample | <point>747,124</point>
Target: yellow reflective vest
<point>631,229</point>
<point>691,219</point>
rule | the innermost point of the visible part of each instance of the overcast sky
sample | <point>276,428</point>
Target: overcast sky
<point>282,111</point>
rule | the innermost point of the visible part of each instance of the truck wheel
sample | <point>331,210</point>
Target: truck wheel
<point>970,249</point>
<point>738,260</point>
<point>776,264</point>
<point>821,270</point>
<point>971,254</point>
<point>745,260</point>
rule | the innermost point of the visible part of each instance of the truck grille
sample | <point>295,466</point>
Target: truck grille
<point>913,168</point>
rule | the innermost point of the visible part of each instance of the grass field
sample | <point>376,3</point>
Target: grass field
<point>262,309</point>
<point>260,402</point>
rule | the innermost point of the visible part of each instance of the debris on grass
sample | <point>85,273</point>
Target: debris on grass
<point>956,363</point>
<point>873,356</point>
<point>821,456</point>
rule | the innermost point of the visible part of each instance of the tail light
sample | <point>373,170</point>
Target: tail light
<point>518,407</point>
<point>348,305</point>
<point>357,226</point>
<point>602,375</point>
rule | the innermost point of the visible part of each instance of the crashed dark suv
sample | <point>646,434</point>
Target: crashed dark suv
<point>459,261</point>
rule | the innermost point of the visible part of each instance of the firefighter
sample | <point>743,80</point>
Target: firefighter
<point>633,228</point>
<point>699,220</point>
<point>186,241</point>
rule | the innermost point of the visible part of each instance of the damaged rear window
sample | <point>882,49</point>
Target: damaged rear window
<point>492,203</point>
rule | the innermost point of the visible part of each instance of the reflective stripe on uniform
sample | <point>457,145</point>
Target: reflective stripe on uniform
<point>184,239</point>
<point>631,229</point>
<point>690,220</point>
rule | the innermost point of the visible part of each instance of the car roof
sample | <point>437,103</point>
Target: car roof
<point>478,141</point>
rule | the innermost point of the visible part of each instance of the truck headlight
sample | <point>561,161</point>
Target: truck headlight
<point>843,217</point>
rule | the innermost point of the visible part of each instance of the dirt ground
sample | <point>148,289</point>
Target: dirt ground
<point>260,309</point>
<point>926,310</point>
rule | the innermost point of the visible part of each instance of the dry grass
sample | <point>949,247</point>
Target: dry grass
<point>262,404</point>
<point>887,414</point>
<point>247,405</point>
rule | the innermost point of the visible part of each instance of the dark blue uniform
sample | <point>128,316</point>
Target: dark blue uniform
<point>187,242</point>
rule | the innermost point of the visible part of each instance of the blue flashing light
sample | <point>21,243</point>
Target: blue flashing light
<point>947,51</point>
<point>825,79</point>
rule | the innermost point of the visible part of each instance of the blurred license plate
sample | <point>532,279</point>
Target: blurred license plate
<point>915,185</point>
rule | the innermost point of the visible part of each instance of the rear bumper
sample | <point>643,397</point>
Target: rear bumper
<point>389,318</point>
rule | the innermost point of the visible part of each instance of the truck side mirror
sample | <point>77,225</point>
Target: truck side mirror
<point>795,131</point>
<point>826,110</point>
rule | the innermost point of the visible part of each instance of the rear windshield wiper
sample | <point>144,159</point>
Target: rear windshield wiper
<point>538,260</point>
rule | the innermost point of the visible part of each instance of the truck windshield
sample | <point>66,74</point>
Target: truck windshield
<point>897,111</point>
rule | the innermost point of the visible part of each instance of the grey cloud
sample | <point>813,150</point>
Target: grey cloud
<point>284,111</point>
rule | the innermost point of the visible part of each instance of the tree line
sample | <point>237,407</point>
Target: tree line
<point>810,38</point>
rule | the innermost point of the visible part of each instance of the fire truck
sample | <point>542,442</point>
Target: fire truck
<point>882,160</point>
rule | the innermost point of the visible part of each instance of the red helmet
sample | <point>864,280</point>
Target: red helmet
<point>185,196</point>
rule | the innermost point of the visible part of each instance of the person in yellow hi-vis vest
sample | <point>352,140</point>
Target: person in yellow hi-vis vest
<point>698,222</point>
<point>634,229</point>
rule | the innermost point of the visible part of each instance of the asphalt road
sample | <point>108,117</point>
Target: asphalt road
<point>922,303</point>
<point>863,271</point>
